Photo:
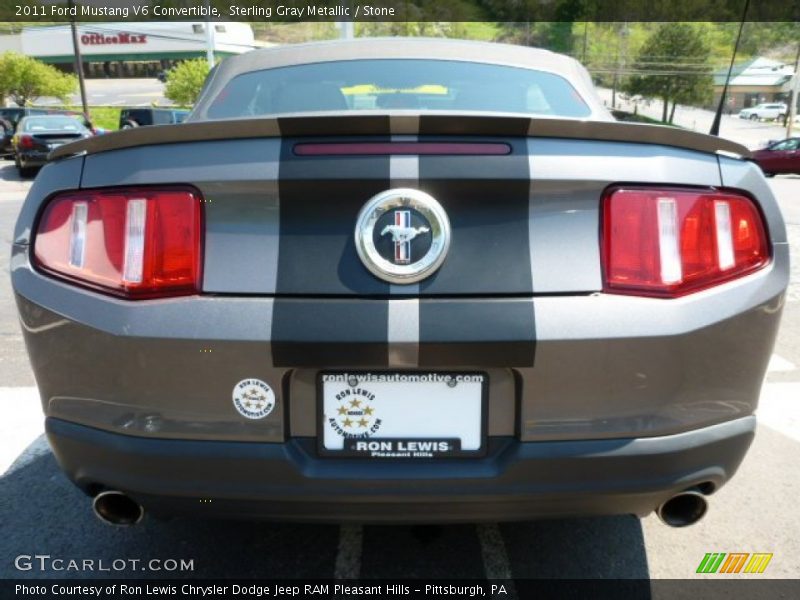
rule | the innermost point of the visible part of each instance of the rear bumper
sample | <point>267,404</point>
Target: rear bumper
<point>604,366</point>
<point>33,158</point>
<point>516,481</point>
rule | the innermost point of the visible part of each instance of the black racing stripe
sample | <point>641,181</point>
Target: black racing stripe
<point>329,332</point>
<point>485,125</point>
<point>320,198</point>
<point>339,125</point>
<point>486,199</point>
<point>496,332</point>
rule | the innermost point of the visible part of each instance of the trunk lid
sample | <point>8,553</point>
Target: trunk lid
<point>282,222</point>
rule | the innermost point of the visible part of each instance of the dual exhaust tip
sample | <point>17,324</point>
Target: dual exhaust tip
<point>117,508</point>
<point>683,509</point>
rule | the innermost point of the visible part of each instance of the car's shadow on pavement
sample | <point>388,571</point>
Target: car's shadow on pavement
<point>47,515</point>
<point>9,172</point>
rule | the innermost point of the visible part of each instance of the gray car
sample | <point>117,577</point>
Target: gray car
<point>400,281</point>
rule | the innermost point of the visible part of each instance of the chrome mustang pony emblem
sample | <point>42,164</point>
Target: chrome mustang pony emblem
<point>402,234</point>
<point>389,223</point>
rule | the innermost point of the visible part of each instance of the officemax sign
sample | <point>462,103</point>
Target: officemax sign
<point>98,39</point>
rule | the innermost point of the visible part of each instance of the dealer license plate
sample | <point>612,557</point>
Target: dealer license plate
<point>402,414</point>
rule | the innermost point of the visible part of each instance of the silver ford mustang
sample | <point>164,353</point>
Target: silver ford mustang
<point>400,281</point>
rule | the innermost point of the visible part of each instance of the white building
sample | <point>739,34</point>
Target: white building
<point>129,49</point>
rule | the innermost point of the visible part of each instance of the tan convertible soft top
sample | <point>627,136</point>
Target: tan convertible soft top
<point>599,126</point>
<point>404,48</point>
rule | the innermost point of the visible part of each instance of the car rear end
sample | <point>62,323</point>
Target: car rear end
<point>33,148</point>
<point>207,338</point>
<point>37,136</point>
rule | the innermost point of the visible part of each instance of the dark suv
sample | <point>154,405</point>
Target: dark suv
<point>139,117</point>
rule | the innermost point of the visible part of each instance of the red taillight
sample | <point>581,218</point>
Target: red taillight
<point>131,242</point>
<point>670,242</point>
<point>25,141</point>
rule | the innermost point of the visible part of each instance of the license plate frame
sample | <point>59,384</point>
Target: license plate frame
<point>400,451</point>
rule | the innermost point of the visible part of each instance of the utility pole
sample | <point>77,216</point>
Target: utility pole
<point>78,60</point>
<point>619,60</point>
<point>209,38</point>
<point>346,30</point>
<point>346,27</point>
<point>793,95</point>
<point>585,38</point>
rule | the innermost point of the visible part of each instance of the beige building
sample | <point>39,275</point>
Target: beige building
<point>753,82</point>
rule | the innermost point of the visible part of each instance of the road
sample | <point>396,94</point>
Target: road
<point>118,92</point>
<point>753,134</point>
<point>757,512</point>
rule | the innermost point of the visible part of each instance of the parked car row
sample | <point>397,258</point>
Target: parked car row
<point>29,134</point>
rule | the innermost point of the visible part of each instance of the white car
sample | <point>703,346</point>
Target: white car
<point>775,110</point>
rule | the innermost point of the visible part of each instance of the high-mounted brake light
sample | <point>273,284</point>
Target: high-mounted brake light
<point>670,242</point>
<point>132,242</point>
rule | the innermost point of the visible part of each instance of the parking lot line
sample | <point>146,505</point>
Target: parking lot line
<point>779,408</point>
<point>495,558</point>
<point>780,364</point>
<point>348,555</point>
<point>21,422</point>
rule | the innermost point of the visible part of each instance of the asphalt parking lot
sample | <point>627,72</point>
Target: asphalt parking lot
<point>757,512</point>
<point>118,92</point>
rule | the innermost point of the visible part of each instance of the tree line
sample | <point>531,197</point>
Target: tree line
<point>24,79</point>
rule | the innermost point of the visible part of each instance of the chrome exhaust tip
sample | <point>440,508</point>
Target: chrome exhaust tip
<point>116,508</point>
<point>683,509</point>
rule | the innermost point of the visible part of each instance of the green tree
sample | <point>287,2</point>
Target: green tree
<point>185,81</point>
<point>24,79</point>
<point>673,65</point>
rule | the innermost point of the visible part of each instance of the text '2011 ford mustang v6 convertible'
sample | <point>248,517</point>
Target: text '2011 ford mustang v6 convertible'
<point>400,281</point>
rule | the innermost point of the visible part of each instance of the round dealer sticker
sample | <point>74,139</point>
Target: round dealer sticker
<point>253,398</point>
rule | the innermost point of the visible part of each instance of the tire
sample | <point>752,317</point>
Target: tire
<point>27,172</point>
<point>769,174</point>
<point>24,172</point>
<point>781,117</point>
<point>129,124</point>
<point>754,117</point>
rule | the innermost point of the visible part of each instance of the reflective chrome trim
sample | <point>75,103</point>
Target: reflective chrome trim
<point>402,198</point>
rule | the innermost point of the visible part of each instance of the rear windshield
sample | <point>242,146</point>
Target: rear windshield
<point>402,84</point>
<point>67,124</point>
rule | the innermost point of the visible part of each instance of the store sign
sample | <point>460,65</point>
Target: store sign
<point>98,39</point>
